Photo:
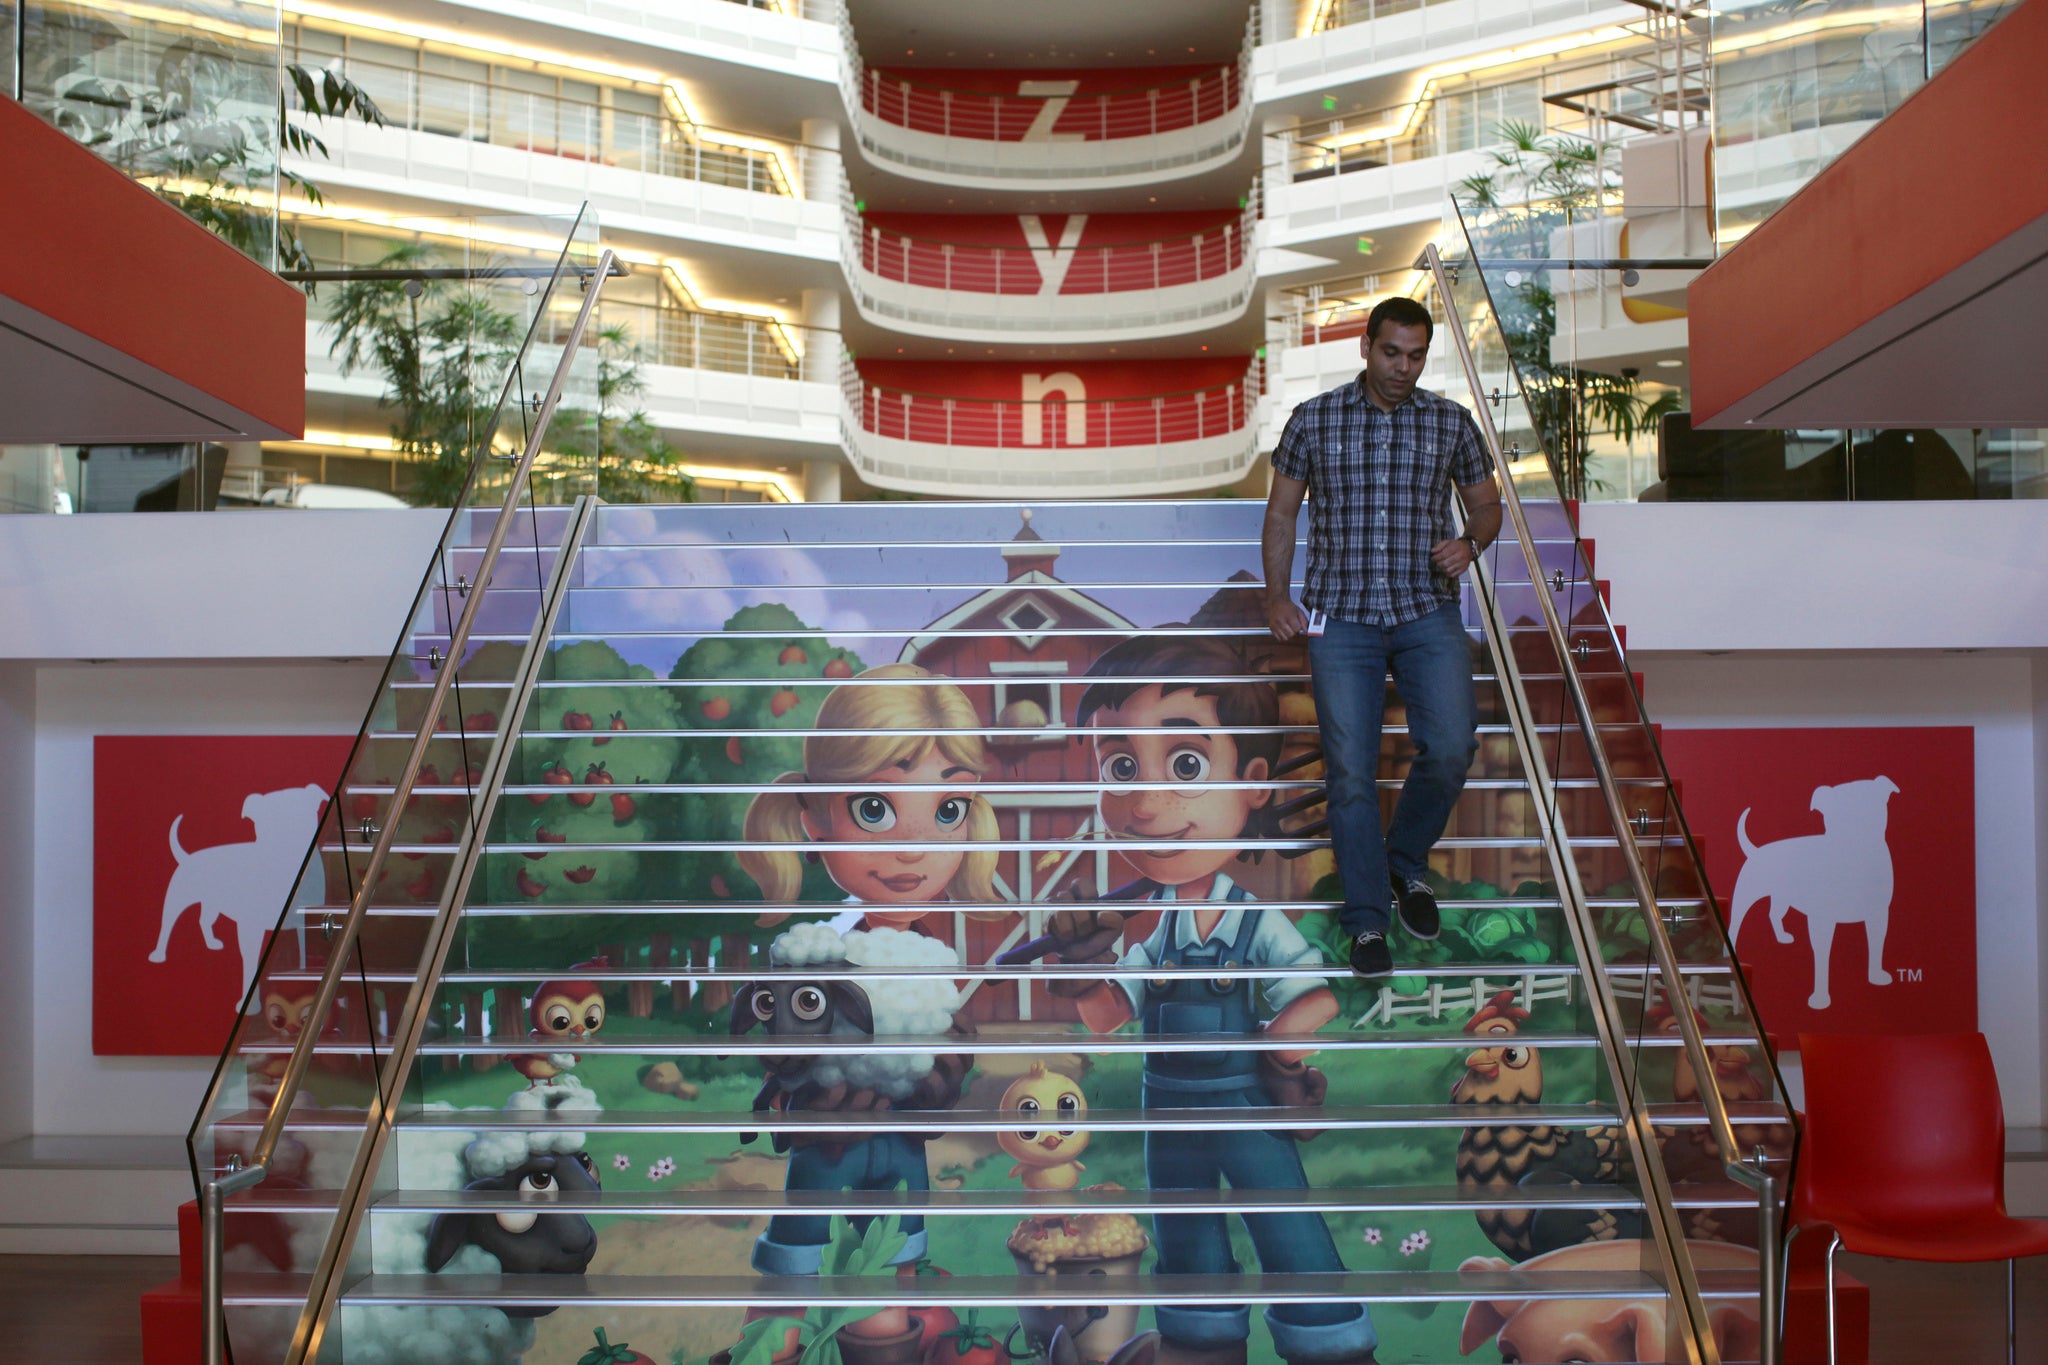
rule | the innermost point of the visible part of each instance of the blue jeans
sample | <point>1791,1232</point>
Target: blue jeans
<point>1296,1242</point>
<point>794,1243</point>
<point>1431,660</point>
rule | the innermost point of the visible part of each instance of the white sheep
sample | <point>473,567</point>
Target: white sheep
<point>900,1005</point>
<point>448,1159</point>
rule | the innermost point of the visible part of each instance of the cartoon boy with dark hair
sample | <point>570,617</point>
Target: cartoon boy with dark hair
<point>1165,765</point>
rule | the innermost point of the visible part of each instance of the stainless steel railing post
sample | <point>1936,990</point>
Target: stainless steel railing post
<point>212,1243</point>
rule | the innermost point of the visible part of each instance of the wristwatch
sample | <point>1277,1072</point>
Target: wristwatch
<point>1473,543</point>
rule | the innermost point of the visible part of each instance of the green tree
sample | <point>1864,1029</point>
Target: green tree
<point>634,462</point>
<point>443,350</point>
<point>590,710</point>
<point>712,699</point>
<point>1542,183</point>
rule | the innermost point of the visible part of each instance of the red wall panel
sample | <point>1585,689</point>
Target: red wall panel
<point>89,248</point>
<point>1945,177</point>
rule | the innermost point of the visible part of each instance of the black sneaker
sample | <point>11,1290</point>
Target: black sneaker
<point>1417,904</point>
<point>1370,955</point>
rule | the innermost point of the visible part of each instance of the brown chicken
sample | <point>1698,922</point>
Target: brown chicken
<point>1692,1156</point>
<point>1506,1072</point>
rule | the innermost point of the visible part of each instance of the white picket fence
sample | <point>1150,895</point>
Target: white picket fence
<point>1444,998</point>
<point>1699,989</point>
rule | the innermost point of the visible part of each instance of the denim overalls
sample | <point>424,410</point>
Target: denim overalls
<point>1246,1158</point>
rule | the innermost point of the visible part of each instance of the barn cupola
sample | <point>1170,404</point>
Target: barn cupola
<point>1027,551</point>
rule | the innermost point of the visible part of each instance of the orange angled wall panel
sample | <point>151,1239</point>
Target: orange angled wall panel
<point>1954,171</point>
<point>87,248</point>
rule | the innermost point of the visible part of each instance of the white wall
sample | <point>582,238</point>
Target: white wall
<point>76,1092</point>
<point>17,887</point>
<point>1997,695</point>
<point>233,585</point>
<point>1825,575</point>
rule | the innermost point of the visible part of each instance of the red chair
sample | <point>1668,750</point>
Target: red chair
<point>1904,1156</point>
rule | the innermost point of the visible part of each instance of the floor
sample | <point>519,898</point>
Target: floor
<point>81,1310</point>
<point>77,1310</point>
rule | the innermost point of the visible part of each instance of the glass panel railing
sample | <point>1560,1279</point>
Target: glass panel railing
<point>300,1073</point>
<point>1795,85</point>
<point>182,95</point>
<point>1679,1001</point>
<point>10,49</point>
<point>1592,309</point>
<point>437,321</point>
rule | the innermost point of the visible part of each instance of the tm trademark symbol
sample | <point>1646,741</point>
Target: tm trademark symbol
<point>1910,974</point>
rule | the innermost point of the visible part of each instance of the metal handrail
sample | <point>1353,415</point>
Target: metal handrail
<point>1753,1173</point>
<point>213,1193</point>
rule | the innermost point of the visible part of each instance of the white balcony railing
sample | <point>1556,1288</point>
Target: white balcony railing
<point>1052,291</point>
<point>1121,447</point>
<point>1349,37</point>
<point>799,37</point>
<point>490,178</point>
<point>1047,133</point>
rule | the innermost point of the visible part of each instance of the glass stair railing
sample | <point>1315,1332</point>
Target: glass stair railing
<point>304,1083</point>
<point>1659,929</point>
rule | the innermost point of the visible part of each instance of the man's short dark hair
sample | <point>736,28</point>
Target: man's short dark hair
<point>1402,312</point>
<point>1187,660</point>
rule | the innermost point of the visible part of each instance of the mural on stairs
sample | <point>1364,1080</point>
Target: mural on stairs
<point>772,786</point>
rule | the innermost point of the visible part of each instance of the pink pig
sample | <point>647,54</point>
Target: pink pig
<point>1535,1330</point>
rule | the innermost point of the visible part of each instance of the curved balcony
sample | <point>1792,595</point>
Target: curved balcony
<point>1112,447</point>
<point>1341,40</point>
<point>1051,291</point>
<point>1047,132</point>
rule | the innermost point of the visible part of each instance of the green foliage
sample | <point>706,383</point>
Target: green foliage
<point>443,351</point>
<point>1542,183</point>
<point>872,1252</point>
<point>602,876</point>
<point>1509,932</point>
<point>710,701</point>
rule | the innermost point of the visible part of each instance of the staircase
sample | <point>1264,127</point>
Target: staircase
<point>572,1037</point>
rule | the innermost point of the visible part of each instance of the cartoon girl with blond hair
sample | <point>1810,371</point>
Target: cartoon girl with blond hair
<point>908,790</point>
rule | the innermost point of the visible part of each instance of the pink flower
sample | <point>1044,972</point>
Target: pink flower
<point>1373,1237</point>
<point>622,1162</point>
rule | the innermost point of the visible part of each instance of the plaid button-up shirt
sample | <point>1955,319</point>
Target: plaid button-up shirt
<point>1379,498</point>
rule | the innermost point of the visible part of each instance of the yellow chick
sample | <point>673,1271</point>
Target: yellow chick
<point>1046,1160</point>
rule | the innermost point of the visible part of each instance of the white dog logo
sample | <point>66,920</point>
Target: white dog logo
<point>1841,876</point>
<point>246,882</point>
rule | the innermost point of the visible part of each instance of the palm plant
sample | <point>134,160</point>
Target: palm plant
<point>443,351</point>
<point>1541,184</point>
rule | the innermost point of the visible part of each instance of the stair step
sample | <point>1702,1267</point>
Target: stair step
<point>1385,784</point>
<point>1480,675</point>
<point>827,635</point>
<point>1004,1203</point>
<point>1351,1118</point>
<point>1026,1203</point>
<point>488,910</point>
<point>1506,972</point>
<point>996,1044</point>
<point>993,1291</point>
